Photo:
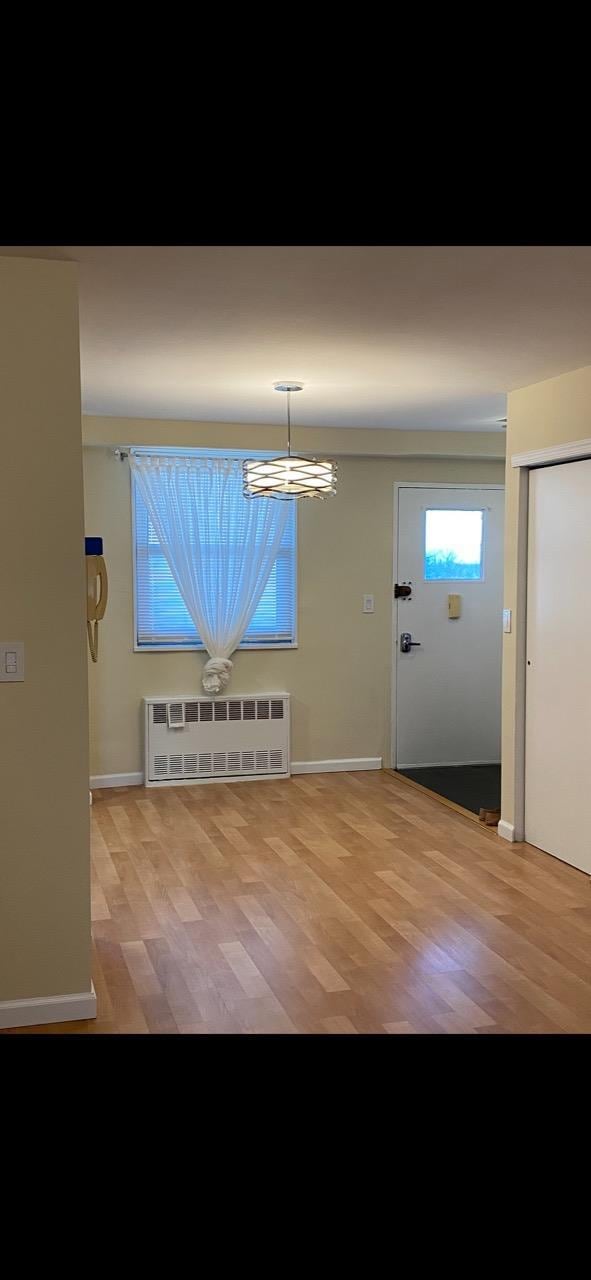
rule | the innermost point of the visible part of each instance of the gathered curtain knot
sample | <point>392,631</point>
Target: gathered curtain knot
<point>216,674</point>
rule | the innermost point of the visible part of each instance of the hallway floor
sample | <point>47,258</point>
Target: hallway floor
<point>474,786</point>
<point>327,904</point>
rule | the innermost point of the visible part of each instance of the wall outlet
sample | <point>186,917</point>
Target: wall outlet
<point>368,604</point>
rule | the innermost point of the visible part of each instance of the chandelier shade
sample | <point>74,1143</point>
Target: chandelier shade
<point>289,476</point>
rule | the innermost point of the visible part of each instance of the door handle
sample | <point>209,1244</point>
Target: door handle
<point>407,643</point>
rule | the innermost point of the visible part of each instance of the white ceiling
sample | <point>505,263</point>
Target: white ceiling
<point>407,337</point>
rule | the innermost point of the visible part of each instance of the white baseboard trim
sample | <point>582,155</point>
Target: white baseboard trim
<point>506,830</point>
<point>336,766</point>
<point>44,1009</point>
<point>104,780</point>
<point>101,780</point>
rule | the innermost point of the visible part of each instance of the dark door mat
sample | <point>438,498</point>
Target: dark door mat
<point>474,786</point>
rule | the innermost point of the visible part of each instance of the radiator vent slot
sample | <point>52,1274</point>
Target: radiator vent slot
<point>176,715</point>
<point>216,738</point>
<point>219,763</point>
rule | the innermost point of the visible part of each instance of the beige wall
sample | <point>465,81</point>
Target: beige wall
<point>347,442</point>
<point>339,676</point>
<point>44,826</point>
<point>552,412</point>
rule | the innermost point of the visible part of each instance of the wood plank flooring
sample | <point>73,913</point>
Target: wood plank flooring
<point>327,904</point>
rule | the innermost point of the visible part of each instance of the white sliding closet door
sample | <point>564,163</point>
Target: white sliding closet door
<point>558,673</point>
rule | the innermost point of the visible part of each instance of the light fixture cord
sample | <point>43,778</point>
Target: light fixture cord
<point>288,425</point>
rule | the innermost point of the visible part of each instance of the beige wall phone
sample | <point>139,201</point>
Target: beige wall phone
<point>97,591</point>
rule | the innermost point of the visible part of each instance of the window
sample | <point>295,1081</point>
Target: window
<point>161,619</point>
<point>453,545</point>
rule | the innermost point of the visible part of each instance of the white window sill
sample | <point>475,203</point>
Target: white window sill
<point>199,648</point>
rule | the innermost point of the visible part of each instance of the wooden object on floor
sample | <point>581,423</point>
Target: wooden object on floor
<point>331,904</point>
<point>490,817</point>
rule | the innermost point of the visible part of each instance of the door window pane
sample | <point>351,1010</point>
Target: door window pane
<point>453,545</point>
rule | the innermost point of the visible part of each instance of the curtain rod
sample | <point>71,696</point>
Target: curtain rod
<point>123,451</point>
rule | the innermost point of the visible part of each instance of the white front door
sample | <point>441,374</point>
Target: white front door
<point>448,683</point>
<point>558,670</point>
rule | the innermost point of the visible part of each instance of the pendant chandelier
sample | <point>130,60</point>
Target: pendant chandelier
<point>289,476</point>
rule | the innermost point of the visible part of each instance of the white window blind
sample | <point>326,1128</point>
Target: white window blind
<point>161,619</point>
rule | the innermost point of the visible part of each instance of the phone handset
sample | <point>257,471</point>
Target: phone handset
<point>97,590</point>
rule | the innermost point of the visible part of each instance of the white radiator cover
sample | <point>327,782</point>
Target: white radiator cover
<point>201,739</point>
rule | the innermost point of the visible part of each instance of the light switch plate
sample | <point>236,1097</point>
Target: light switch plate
<point>12,661</point>
<point>506,620</point>
<point>368,604</point>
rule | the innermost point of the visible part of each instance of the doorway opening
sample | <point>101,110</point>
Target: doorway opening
<point>447,629</point>
<point>474,787</point>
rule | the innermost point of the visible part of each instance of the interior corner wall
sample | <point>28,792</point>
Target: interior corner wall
<point>338,677</point>
<point>556,411</point>
<point>44,814</point>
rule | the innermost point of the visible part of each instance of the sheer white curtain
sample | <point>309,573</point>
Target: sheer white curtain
<point>221,546</point>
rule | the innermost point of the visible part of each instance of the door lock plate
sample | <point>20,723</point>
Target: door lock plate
<point>407,643</point>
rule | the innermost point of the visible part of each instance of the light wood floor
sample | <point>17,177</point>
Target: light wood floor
<point>334,903</point>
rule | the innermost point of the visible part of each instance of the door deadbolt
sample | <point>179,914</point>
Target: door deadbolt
<point>407,643</point>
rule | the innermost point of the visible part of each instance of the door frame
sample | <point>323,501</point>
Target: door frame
<point>571,451</point>
<point>398,485</point>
